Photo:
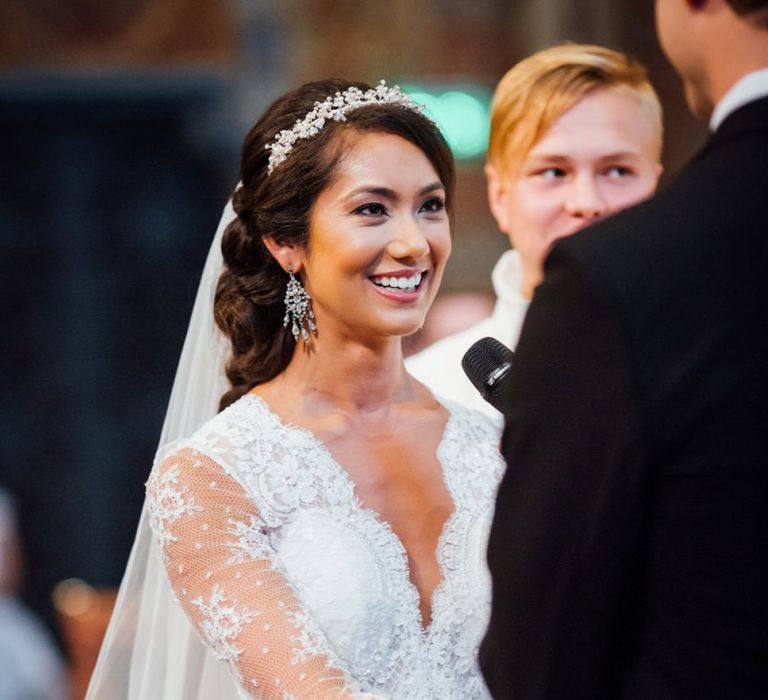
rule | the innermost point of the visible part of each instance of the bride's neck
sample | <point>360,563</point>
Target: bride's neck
<point>349,376</point>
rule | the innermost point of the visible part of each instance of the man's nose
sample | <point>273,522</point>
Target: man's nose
<point>585,199</point>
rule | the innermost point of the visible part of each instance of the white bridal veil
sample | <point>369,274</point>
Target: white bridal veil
<point>151,650</point>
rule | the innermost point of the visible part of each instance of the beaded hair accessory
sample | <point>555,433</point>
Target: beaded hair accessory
<point>335,107</point>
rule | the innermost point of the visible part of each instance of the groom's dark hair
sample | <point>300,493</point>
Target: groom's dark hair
<point>755,11</point>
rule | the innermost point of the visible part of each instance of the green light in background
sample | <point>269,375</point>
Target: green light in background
<point>463,116</point>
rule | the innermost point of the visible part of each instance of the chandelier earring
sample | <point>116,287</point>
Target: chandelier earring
<point>298,310</point>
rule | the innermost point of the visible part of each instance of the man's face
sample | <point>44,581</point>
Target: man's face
<point>600,156</point>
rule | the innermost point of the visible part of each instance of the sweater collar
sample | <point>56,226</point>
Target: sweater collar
<point>507,278</point>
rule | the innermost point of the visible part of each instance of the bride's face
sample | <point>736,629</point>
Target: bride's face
<point>379,239</point>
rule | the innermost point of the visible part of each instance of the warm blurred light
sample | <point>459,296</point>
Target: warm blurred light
<point>462,113</point>
<point>83,613</point>
<point>75,598</point>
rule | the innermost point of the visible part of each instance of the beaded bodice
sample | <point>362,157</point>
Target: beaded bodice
<point>300,589</point>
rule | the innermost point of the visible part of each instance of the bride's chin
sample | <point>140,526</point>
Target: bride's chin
<point>402,330</point>
<point>391,324</point>
<point>410,327</point>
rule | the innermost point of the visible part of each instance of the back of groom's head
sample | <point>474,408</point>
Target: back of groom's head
<point>712,44</point>
<point>755,11</point>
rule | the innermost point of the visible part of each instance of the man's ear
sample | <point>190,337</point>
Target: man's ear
<point>286,255</point>
<point>497,197</point>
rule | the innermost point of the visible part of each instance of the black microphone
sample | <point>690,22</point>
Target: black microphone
<point>487,364</point>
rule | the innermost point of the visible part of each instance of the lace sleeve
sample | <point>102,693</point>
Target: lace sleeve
<point>227,579</point>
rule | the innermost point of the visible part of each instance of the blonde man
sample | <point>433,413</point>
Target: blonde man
<point>576,134</point>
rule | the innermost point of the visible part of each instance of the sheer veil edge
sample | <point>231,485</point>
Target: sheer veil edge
<point>150,649</point>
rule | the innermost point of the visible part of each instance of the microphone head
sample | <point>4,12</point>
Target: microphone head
<point>486,364</point>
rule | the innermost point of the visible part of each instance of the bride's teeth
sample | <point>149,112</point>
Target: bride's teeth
<point>399,282</point>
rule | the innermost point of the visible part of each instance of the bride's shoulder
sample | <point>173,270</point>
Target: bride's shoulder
<point>472,437</point>
<point>472,443</point>
<point>246,420</point>
<point>229,438</point>
<point>471,423</point>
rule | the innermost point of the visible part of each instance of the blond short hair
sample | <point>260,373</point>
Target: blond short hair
<point>538,90</point>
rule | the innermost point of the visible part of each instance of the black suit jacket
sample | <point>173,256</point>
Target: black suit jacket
<point>630,540</point>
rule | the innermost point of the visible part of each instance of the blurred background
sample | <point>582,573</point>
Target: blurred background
<point>121,123</point>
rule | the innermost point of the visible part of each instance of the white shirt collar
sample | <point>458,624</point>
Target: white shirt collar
<point>507,277</point>
<point>747,89</point>
<point>511,305</point>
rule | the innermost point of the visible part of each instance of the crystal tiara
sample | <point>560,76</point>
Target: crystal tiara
<point>335,107</point>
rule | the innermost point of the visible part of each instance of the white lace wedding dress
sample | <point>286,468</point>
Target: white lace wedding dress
<point>300,590</point>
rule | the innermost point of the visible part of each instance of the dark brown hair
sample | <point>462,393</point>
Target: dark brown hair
<point>755,11</point>
<point>248,306</point>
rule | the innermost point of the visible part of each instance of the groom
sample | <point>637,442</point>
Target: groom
<point>629,550</point>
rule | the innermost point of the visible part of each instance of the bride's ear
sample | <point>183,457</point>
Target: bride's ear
<point>286,255</point>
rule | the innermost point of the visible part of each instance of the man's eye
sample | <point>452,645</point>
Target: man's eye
<point>551,173</point>
<point>433,205</point>
<point>371,209</point>
<point>618,171</point>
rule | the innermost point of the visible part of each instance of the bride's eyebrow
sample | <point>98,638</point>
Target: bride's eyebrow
<point>390,193</point>
<point>432,188</point>
<point>370,189</point>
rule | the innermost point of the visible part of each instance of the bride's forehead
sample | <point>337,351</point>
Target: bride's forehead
<point>365,153</point>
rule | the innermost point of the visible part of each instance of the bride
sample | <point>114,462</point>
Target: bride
<point>324,534</point>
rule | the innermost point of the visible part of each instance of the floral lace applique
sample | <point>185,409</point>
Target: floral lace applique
<point>309,639</point>
<point>251,542</point>
<point>222,623</point>
<point>169,502</point>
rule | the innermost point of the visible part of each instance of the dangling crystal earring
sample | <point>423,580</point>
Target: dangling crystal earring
<point>297,305</point>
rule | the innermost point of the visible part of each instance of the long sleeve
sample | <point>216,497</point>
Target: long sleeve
<point>568,540</point>
<point>228,580</point>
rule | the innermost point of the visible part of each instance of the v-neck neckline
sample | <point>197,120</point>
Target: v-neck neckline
<point>380,521</point>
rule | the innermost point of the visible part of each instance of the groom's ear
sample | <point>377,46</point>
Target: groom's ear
<point>286,255</point>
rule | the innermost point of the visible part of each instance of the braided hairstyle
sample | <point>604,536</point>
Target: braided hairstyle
<point>248,306</point>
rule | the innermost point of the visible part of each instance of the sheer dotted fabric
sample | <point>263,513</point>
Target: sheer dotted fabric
<point>301,591</point>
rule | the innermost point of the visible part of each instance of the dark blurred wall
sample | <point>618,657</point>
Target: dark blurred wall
<point>115,33</point>
<point>118,154</point>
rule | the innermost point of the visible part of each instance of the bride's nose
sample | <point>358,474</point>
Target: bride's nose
<point>408,241</point>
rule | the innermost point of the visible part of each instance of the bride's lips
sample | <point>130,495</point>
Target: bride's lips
<point>400,285</point>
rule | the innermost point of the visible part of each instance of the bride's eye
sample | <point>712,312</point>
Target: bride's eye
<point>371,209</point>
<point>433,205</point>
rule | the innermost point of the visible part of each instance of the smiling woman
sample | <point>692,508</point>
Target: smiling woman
<point>380,238</point>
<point>324,535</point>
<point>276,202</point>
